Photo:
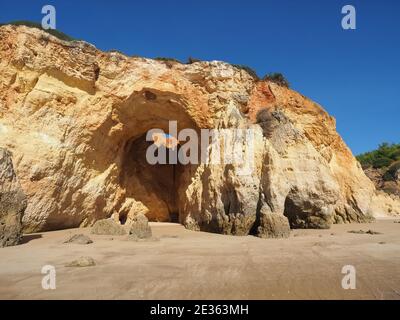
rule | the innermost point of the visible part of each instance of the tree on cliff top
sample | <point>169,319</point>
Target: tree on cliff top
<point>383,157</point>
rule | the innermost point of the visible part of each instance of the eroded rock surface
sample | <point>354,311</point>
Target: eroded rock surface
<point>387,198</point>
<point>76,120</point>
<point>386,180</point>
<point>12,202</point>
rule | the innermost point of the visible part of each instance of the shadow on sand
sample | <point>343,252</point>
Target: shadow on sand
<point>30,237</point>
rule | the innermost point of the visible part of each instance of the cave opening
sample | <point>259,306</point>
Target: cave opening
<point>156,187</point>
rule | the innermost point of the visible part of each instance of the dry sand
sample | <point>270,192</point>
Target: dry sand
<point>195,265</point>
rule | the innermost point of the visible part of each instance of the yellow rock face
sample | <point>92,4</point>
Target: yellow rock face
<point>75,119</point>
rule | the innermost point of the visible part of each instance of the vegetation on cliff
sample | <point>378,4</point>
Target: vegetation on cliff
<point>278,78</point>
<point>249,70</point>
<point>386,157</point>
<point>60,35</point>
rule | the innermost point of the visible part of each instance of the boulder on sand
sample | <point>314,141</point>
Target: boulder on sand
<point>140,227</point>
<point>108,227</point>
<point>273,225</point>
<point>12,202</point>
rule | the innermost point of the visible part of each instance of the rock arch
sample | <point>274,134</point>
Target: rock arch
<point>152,189</point>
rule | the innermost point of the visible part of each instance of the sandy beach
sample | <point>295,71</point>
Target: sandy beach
<point>182,264</point>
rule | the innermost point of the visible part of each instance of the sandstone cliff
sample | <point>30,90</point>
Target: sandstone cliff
<point>75,119</point>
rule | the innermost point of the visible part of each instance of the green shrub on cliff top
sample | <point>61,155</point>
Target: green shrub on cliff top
<point>277,78</point>
<point>60,35</point>
<point>383,157</point>
<point>167,59</point>
<point>249,70</point>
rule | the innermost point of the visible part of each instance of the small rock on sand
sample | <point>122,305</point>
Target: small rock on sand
<point>364,232</point>
<point>82,262</point>
<point>373,232</point>
<point>135,238</point>
<point>167,236</point>
<point>79,239</point>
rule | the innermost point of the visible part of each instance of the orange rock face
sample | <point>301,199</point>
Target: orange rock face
<point>76,119</point>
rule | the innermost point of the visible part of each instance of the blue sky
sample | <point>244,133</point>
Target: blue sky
<point>354,74</point>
